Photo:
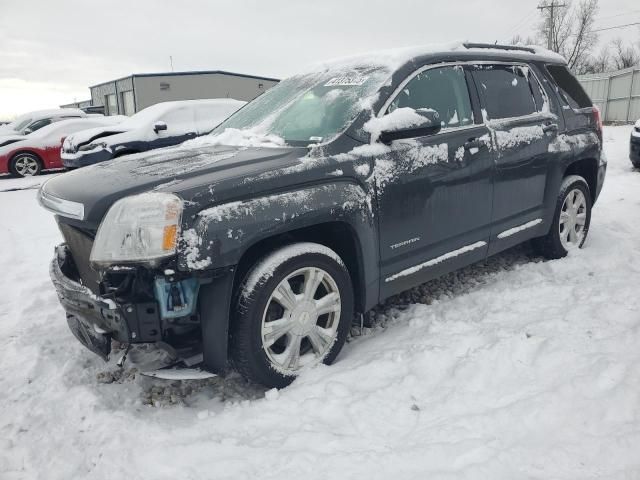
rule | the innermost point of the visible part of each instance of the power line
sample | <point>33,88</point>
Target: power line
<point>631,12</point>
<point>520,23</point>
<point>616,26</point>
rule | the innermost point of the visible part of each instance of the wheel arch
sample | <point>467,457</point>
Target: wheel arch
<point>587,168</point>
<point>337,235</point>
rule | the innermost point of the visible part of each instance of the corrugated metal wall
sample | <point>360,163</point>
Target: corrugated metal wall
<point>617,94</point>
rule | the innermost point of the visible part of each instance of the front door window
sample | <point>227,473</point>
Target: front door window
<point>441,89</point>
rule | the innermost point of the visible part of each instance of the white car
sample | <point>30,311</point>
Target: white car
<point>161,125</point>
<point>32,121</point>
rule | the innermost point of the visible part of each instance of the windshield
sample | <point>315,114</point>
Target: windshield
<point>310,108</point>
<point>19,123</point>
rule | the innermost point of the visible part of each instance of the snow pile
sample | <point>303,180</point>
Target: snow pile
<point>511,368</point>
<point>400,118</point>
<point>190,245</point>
<point>410,155</point>
<point>566,143</point>
<point>238,138</point>
<point>518,136</point>
<point>266,268</point>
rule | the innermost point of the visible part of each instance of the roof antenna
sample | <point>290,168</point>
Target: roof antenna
<point>171,62</point>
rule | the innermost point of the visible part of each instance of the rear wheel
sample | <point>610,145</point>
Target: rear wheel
<point>571,219</point>
<point>25,165</point>
<point>294,311</point>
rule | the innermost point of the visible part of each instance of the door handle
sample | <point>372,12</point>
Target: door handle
<point>472,143</point>
<point>550,127</point>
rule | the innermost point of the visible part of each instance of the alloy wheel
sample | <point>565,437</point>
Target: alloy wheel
<point>26,165</point>
<point>300,320</point>
<point>573,217</point>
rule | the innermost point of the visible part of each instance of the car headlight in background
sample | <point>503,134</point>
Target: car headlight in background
<point>92,146</point>
<point>138,229</point>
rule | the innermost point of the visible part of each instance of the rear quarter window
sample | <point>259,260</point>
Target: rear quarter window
<point>570,90</point>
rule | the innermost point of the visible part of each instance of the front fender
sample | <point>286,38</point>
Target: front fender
<point>220,235</point>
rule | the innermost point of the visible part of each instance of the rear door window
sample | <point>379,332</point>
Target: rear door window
<point>570,90</point>
<point>441,89</point>
<point>506,91</point>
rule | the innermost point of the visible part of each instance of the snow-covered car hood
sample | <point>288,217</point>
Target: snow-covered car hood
<point>9,139</point>
<point>196,173</point>
<point>72,142</point>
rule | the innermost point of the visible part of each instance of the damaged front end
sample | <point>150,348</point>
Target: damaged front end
<point>152,311</point>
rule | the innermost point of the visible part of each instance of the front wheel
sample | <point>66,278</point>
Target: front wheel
<point>25,165</point>
<point>294,311</point>
<point>570,221</point>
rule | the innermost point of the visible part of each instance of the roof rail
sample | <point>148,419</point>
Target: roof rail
<point>499,47</point>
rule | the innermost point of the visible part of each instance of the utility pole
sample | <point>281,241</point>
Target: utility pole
<point>551,6</point>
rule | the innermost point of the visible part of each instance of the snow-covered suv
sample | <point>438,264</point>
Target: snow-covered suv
<point>255,247</point>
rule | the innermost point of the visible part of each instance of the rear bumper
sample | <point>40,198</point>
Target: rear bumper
<point>93,320</point>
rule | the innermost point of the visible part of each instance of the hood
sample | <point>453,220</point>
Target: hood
<point>78,139</point>
<point>201,176</point>
<point>8,139</point>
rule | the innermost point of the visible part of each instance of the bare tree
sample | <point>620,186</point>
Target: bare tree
<point>569,29</point>
<point>521,40</point>
<point>624,55</point>
<point>599,63</point>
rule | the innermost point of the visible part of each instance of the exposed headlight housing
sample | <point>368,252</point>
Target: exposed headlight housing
<point>138,229</point>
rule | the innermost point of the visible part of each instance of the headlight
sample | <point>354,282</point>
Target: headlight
<point>92,146</point>
<point>140,228</point>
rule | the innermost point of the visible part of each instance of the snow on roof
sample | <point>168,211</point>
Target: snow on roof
<point>391,59</point>
<point>158,110</point>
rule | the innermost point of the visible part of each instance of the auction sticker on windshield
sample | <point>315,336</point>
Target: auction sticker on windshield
<point>346,81</point>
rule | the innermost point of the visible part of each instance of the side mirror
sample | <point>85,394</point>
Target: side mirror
<point>27,131</point>
<point>428,125</point>
<point>159,126</point>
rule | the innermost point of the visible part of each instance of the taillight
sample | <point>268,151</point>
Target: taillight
<point>598,119</point>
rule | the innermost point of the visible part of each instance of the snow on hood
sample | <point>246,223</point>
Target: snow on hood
<point>238,138</point>
<point>85,136</point>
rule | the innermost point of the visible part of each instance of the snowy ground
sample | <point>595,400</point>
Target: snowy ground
<point>516,368</point>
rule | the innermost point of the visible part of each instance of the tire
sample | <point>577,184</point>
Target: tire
<point>25,165</point>
<point>317,277</point>
<point>559,240</point>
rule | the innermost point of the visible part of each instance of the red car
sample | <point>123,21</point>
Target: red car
<point>30,154</point>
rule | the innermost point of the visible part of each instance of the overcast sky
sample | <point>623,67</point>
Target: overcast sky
<point>51,51</point>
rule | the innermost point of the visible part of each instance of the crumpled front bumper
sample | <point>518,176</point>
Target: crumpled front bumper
<point>93,320</point>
